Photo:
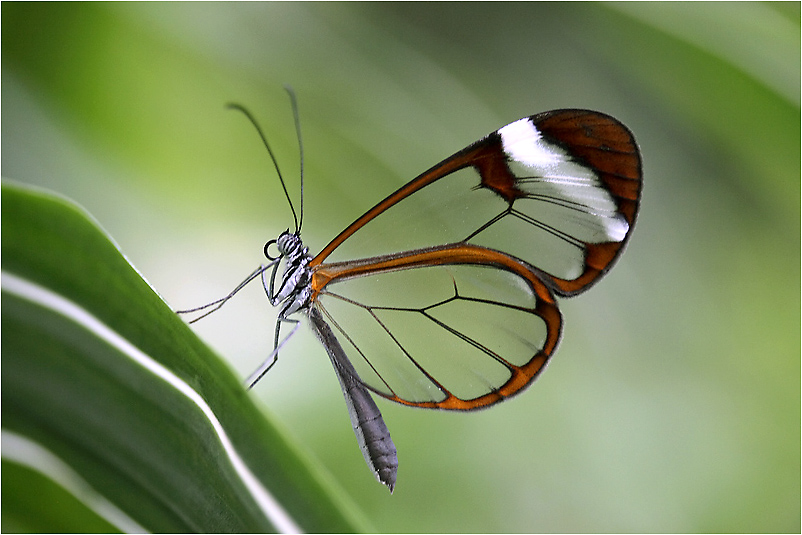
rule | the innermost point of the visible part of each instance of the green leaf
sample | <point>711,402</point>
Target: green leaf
<point>109,395</point>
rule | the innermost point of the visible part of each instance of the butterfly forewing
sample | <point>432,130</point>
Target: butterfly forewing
<point>557,190</point>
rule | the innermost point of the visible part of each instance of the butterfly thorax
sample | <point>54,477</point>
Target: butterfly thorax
<point>294,291</point>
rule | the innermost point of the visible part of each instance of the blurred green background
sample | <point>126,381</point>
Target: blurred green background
<point>673,403</point>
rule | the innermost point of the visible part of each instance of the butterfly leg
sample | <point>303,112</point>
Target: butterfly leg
<point>270,287</point>
<point>273,357</point>
<point>222,301</point>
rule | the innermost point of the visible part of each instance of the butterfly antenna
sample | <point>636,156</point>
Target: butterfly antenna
<point>294,104</point>
<point>272,156</point>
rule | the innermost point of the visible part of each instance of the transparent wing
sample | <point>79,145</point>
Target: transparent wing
<point>458,327</point>
<point>559,191</point>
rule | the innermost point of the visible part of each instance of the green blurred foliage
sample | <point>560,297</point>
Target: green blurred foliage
<point>674,401</point>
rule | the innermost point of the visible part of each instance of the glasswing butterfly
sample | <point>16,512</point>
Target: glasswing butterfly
<point>442,295</point>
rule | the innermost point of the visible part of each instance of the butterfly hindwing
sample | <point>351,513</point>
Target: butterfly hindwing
<point>457,327</point>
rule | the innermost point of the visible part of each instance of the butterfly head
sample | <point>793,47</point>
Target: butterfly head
<point>289,246</point>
